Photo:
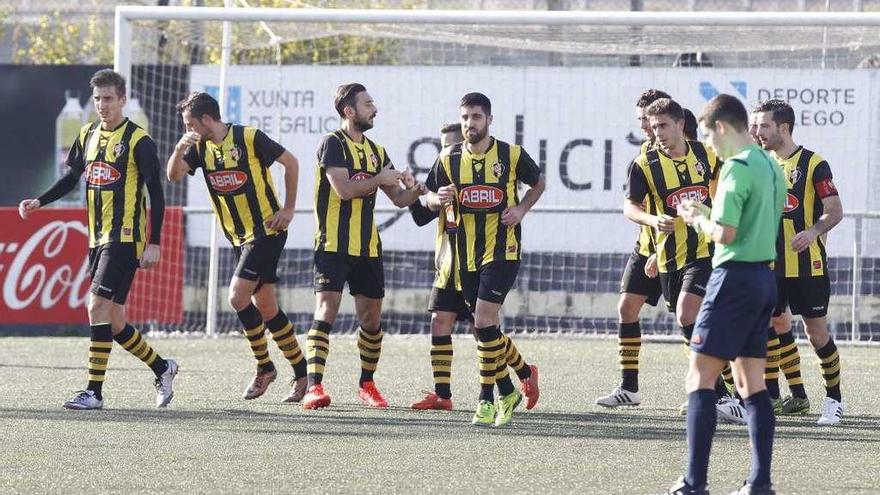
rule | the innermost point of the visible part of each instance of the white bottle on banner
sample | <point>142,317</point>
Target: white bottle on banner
<point>67,127</point>
<point>89,114</point>
<point>136,114</point>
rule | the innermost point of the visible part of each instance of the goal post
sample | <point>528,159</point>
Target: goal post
<point>563,84</point>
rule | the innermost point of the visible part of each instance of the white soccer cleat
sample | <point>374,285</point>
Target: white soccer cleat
<point>832,412</point>
<point>620,397</point>
<point>164,390</point>
<point>730,411</point>
<point>84,399</point>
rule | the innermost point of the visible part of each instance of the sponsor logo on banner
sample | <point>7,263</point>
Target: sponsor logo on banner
<point>791,203</point>
<point>709,90</point>
<point>694,193</point>
<point>101,174</point>
<point>481,197</point>
<point>227,181</point>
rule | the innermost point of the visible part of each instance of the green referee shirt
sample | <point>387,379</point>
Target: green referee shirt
<point>750,196</point>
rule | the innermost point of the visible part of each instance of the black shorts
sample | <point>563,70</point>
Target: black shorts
<point>634,280</point>
<point>258,259</point>
<point>365,275</point>
<point>112,267</point>
<point>691,279</point>
<point>491,282</point>
<point>806,296</point>
<point>450,301</point>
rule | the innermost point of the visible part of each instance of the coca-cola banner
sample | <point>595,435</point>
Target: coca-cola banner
<point>44,276</point>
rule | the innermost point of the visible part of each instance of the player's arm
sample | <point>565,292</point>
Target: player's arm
<point>528,172</point>
<point>633,205</point>
<point>720,224</point>
<point>348,189</point>
<point>421,214</point>
<point>440,188</point>
<point>182,159</point>
<point>147,159</point>
<point>401,196</point>
<point>832,209</point>
<point>67,183</point>
<point>268,152</point>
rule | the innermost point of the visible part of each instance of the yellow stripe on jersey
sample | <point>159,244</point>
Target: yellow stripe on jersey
<point>645,241</point>
<point>445,257</point>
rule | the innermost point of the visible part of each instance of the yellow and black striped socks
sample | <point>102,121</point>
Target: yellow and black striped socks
<point>629,344</point>
<point>370,348</point>
<point>282,333</point>
<point>441,365</point>
<point>727,378</point>
<point>514,359</point>
<point>132,341</point>
<point>790,364</point>
<point>256,334</point>
<point>829,365</point>
<point>771,370</point>
<point>99,354</point>
<point>489,351</point>
<point>317,349</point>
<point>502,375</point>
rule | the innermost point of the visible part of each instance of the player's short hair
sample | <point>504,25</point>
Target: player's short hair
<point>727,109</point>
<point>199,104</point>
<point>665,106</point>
<point>782,113</point>
<point>451,127</point>
<point>108,77</point>
<point>477,100</point>
<point>346,95</point>
<point>650,96</point>
<point>690,125</point>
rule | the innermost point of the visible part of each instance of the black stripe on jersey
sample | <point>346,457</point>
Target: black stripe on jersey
<point>805,265</point>
<point>251,189</point>
<point>343,230</point>
<point>121,165</point>
<point>367,202</point>
<point>693,238</point>
<point>501,234</point>
<point>229,200</point>
<point>669,247</point>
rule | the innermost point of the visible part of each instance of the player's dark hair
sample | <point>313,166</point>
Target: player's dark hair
<point>782,112</point>
<point>727,109</point>
<point>650,96</point>
<point>108,77</point>
<point>451,127</point>
<point>665,106</point>
<point>690,125</point>
<point>199,104</point>
<point>477,100</point>
<point>346,95</point>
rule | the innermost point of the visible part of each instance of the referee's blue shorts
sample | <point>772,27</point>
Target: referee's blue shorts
<point>735,313</point>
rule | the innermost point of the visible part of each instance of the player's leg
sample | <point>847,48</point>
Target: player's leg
<point>489,346</point>
<point>366,283</point>
<point>240,292</point>
<point>443,316</point>
<point>811,302</point>
<point>282,331</point>
<point>527,373</point>
<point>789,355</point>
<point>100,345</point>
<point>749,372</point>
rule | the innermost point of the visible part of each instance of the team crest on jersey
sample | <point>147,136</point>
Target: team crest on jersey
<point>498,168</point>
<point>794,176</point>
<point>119,149</point>
<point>235,153</point>
<point>701,168</point>
<point>374,159</point>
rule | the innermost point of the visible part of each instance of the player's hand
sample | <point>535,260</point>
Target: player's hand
<point>150,256</point>
<point>512,216</point>
<point>803,240</point>
<point>447,194</point>
<point>281,219</point>
<point>27,206</point>
<point>388,176</point>
<point>665,224</point>
<point>188,140</point>
<point>651,270</point>
<point>423,189</point>
<point>409,182</point>
<point>691,211</point>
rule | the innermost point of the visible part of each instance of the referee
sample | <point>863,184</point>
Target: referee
<point>740,296</point>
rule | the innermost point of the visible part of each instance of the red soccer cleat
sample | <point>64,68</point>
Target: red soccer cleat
<point>316,398</point>
<point>530,388</point>
<point>371,395</point>
<point>432,401</point>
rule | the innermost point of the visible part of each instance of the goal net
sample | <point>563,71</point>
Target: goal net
<point>562,84</point>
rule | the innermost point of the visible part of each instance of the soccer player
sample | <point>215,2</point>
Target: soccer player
<point>740,296</point>
<point>481,176</point>
<point>447,305</point>
<point>636,288</point>
<point>120,161</point>
<point>812,209</point>
<point>350,168</point>
<point>235,161</point>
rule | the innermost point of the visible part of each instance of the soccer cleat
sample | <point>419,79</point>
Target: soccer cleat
<point>620,397</point>
<point>164,390</point>
<point>505,406</point>
<point>315,398</point>
<point>730,411</point>
<point>832,412</point>
<point>84,399</point>
<point>777,405</point>
<point>485,414</point>
<point>748,489</point>
<point>259,384</point>
<point>530,388</point>
<point>795,406</point>
<point>371,395</point>
<point>298,388</point>
<point>682,488</point>
<point>432,401</point>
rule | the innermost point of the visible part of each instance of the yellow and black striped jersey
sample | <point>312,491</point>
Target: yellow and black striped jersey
<point>237,174</point>
<point>347,226</point>
<point>662,182</point>
<point>645,241</point>
<point>117,164</point>
<point>809,182</point>
<point>487,185</point>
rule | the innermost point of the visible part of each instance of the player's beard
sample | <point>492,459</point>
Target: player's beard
<point>476,136</point>
<point>363,124</point>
